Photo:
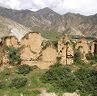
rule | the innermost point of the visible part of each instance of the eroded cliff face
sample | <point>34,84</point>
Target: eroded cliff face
<point>35,52</point>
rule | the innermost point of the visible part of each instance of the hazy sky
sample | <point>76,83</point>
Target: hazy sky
<point>85,7</point>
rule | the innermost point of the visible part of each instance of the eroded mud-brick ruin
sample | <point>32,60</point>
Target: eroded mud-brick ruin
<point>41,52</point>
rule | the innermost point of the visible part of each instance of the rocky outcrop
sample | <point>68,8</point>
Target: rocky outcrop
<point>45,93</point>
<point>71,94</point>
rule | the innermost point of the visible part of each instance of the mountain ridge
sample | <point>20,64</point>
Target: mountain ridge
<point>47,20</point>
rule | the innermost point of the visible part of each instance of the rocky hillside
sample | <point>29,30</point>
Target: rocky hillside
<point>9,27</point>
<point>46,20</point>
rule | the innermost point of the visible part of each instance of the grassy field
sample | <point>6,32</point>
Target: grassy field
<point>53,36</point>
<point>32,88</point>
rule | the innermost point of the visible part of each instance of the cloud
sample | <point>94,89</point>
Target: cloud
<point>86,7</point>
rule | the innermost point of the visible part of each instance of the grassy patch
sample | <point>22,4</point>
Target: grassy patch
<point>53,36</point>
<point>32,88</point>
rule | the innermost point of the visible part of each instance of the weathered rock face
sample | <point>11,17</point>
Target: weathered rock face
<point>44,93</point>
<point>71,94</point>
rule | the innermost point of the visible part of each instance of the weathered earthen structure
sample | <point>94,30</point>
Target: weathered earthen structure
<point>49,53</point>
<point>93,47</point>
<point>10,41</point>
<point>83,47</point>
<point>31,44</point>
<point>34,51</point>
<point>65,50</point>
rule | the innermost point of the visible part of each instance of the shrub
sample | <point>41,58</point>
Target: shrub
<point>88,81</point>
<point>2,84</point>
<point>18,82</point>
<point>23,69</point>
<point>61,77</point>
<point>13,55</point>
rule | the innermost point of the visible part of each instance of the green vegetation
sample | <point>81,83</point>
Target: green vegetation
<point>14,84</point>
<point>13,55</point>
<point>18,82</point>
<point>24,69</point>
<point>53,36</point>
<point>87,81</point>
<point>58,78</point>
<point>27,80</point>
<point>63,78</point>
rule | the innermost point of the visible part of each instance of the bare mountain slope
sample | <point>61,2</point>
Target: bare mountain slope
<point>9,27</point>
<point>46,20</point>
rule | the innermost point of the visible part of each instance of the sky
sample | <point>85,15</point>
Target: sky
<point>84,7</point>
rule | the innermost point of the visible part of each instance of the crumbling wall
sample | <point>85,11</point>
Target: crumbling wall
<point>49,54</point>
<point>70,55</point>
<point>83,45</point>
<point>31,43</point>
<point>94,47</point>
<point>10,41</point>
<point>43,53</point>
<point>65,50</point>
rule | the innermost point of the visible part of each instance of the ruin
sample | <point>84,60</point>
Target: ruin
<point>65,50</point>
<point>41,52</point>
<point>31,44</point>
<point>49,53</point>
<point>10,41</point>
<point>83,47</point>
<point>93,47</point>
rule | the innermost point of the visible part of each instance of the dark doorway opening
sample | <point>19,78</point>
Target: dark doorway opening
<point>95,49</point>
